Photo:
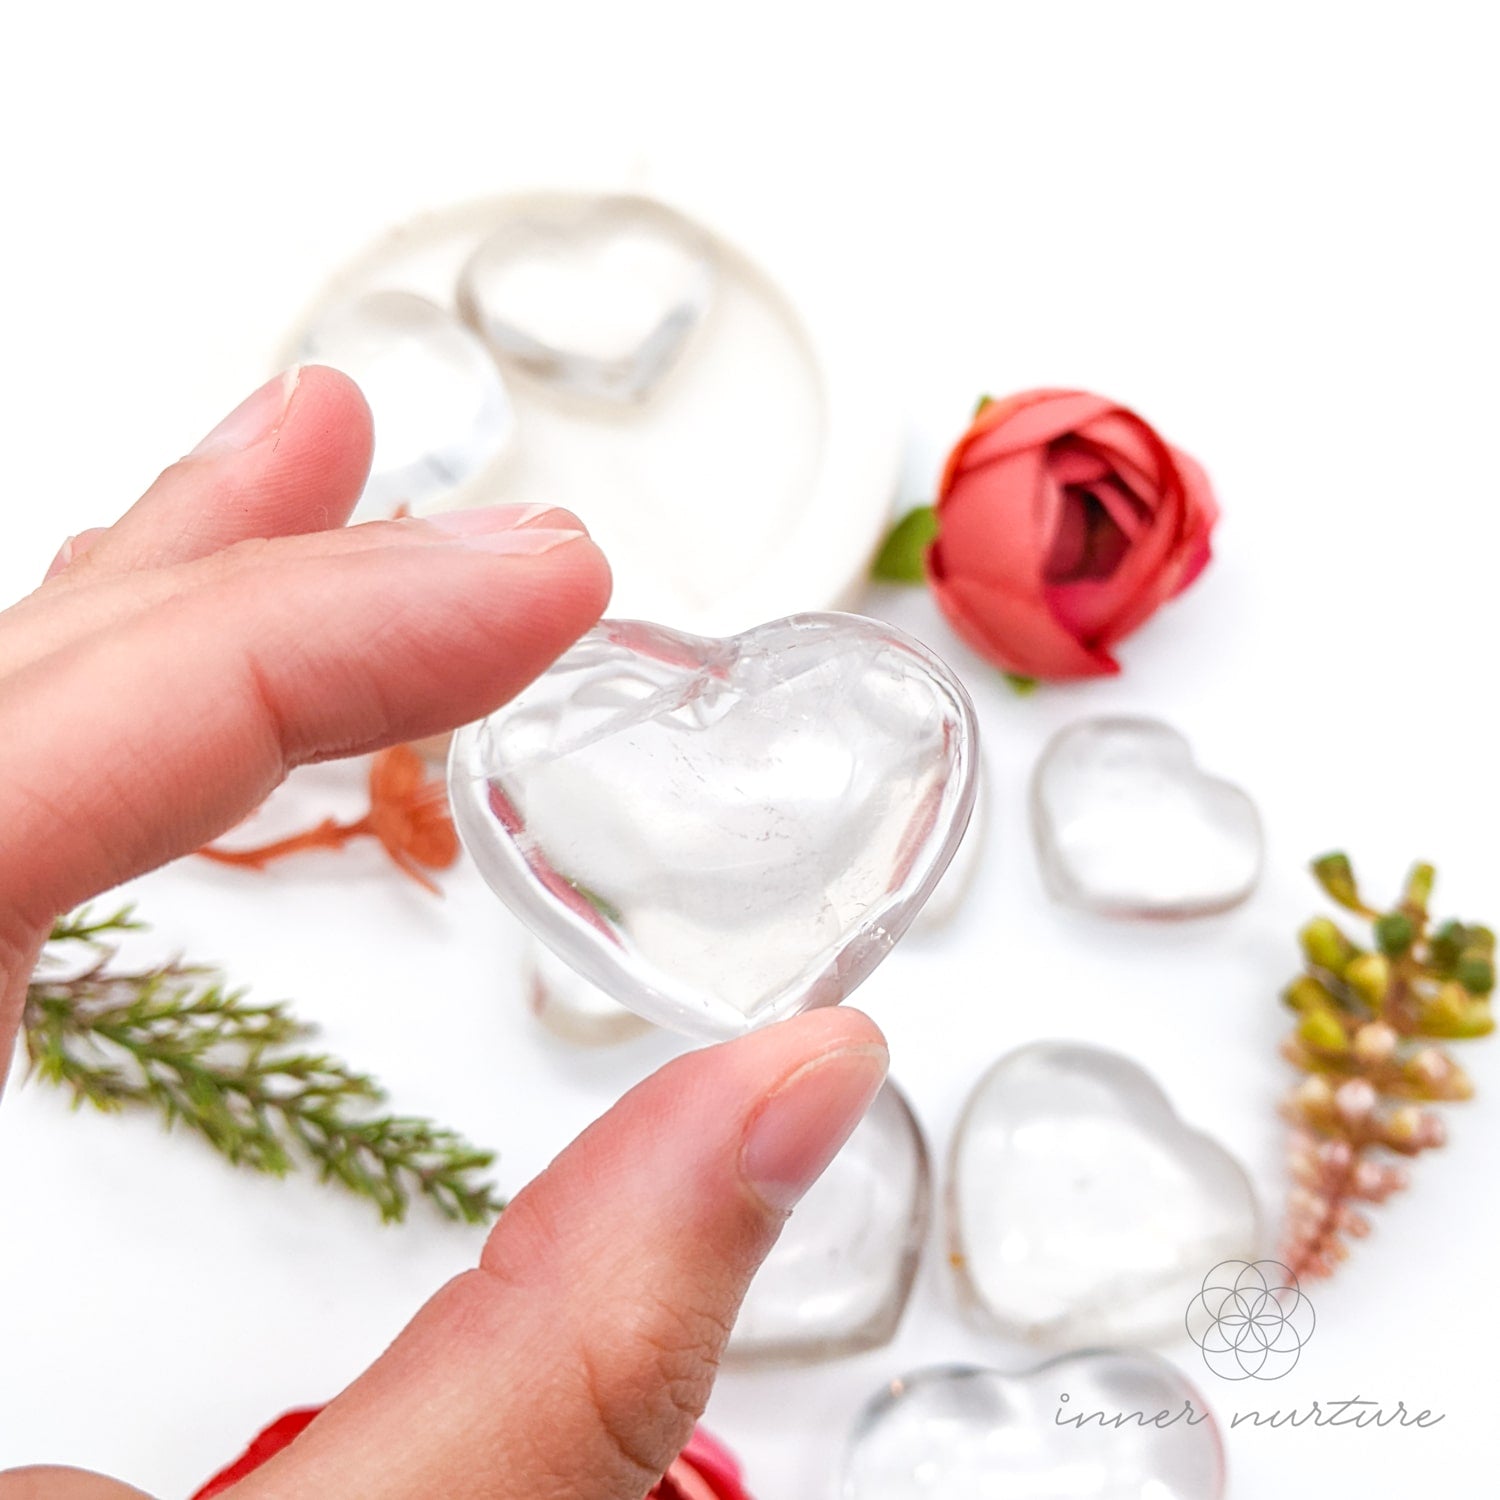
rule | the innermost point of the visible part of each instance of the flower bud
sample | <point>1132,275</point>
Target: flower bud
<point>1305,993</point>
<point>1355,1100</point>
<point>1369,976</point>
<point>1446,943</point>
<point>1406,1129</point>
<point>1323,1031</point>
<point>1336,875</point>
<point>1476,973</point>
<point>1419,886</point>
<point>1375,1043</point>
<point>1336,1155</point>
<point>1326,947</point>
<point>1394,933</point>
<point>1453,1012</point>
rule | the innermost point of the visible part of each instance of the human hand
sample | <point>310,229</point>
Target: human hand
<point>169,672</point>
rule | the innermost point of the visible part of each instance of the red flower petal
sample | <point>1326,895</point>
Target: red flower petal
<point>263,1447</point>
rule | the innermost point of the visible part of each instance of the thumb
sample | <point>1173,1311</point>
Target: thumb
<point>576,1358</point>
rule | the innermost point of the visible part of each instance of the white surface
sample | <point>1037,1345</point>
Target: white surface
<point>1268,228</point>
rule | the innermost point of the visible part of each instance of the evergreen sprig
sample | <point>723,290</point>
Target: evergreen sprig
<point>174,1039</point>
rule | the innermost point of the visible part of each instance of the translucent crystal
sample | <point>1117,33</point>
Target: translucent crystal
<point>597,297</point>
<point>960,1433</point>
<point>721,833</point>
<point>1081,1209</point>
<point>838,1279</point>
<point>570,1007</point>
<point>945,901</point>
<point>442,416</point>
<point>1128,825</point>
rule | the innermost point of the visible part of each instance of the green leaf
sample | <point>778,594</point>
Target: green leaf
<point>983,402</point>
<point>904,550</point>
<point>1022,687</point>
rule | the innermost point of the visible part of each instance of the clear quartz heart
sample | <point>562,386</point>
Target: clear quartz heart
<point>837,1280</point>
<point>962,1433</point>
<point>722,833</point>
<point>596,298</point>
<point>571,1008</point>
<point>1128,825</point>
<point>441,413</point>
<point>1081,1209</point>
<point>953,889</point>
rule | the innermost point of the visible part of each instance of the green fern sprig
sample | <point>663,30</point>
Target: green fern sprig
<point>175,1040</point>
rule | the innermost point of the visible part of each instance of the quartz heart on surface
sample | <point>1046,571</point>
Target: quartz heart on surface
<point>1066,1430</point>
<point>597,298</point>
<point>441,412</point>
<point>722,833</point>
<point>1081,1209</point>
<point>1128,825</point>
<point>837,1280</point>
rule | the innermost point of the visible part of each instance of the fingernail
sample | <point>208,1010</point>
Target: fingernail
<point>481,519</point>
<point>256,418</point>
<point>505,529</point>
<point>800,1128</point>
<point>58,563</point>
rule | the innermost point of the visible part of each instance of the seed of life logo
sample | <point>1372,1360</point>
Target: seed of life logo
<point>1250,1320</point>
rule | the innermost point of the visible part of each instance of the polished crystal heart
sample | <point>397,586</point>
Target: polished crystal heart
<point>441,413</point>
<point>1112,1425</point>
<point>721,833</point>
<point>597,298</point>
<point>571,1008</point>
<point>837,1280</point>
<point>953,889</point>
<point>1081,1209</point>
<point>1127,824</point>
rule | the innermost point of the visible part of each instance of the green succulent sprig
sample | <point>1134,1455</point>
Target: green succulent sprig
<point>1372,1018</point>
<point>175,1040</point>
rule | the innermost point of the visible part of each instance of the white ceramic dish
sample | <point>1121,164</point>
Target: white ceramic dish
<point>757,481</point>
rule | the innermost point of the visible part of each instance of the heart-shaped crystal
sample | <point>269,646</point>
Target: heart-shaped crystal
<point>953,888</point>
<point>1111,1425</point>
<point>721,833</point>
<point>441,413</point>
<point>1081,1209</point>
<point>570,1007</point>
<point>838,1278</point>
<point>1127,824</point>
<point>597,298</point>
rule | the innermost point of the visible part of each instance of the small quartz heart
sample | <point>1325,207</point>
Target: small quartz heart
<point>1110,1425</point>
<point>1081,1209</point>
<point>1127,825</point>
<point>838,1278</point>
<point>597,297</point>
<point>722,833</point>
<point>442,415</point>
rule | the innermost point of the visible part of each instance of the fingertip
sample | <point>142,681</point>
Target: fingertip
<point>330,434</point>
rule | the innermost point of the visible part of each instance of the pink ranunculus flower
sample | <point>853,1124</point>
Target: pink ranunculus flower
<point>1063,522</point>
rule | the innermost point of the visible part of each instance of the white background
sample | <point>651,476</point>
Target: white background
<point>1269,228</point>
